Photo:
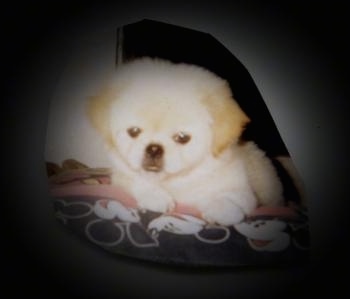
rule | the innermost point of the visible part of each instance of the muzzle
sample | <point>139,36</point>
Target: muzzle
<point>153,158</point>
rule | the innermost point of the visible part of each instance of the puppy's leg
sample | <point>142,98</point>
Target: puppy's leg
<point>229,208</point>
<point>148,195</point>
<point>151,197</point>
<point>262,176</point>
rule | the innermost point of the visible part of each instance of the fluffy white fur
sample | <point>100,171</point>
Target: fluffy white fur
<point>211,172</point>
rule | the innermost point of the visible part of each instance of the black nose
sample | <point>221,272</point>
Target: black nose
<point>154,151</point>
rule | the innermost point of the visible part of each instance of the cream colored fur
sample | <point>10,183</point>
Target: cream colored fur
<point>211,172</point>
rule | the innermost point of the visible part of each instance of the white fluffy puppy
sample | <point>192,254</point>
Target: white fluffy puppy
<point>172,133</point>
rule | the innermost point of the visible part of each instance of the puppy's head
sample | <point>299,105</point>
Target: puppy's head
<point>165,118</point>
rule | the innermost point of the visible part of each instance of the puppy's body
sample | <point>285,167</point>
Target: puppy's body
<point>172,133</point>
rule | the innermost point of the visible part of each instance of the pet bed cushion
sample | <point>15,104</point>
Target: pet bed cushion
<point>85,201</point>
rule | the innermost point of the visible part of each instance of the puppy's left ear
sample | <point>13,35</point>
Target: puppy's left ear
<point>229,120</point>
<point>98,113</point>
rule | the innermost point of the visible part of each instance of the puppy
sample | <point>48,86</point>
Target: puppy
<point>172,133</point>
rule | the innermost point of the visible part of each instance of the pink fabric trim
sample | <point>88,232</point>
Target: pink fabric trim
<point>112,192</point>
<point>187,210</point>
<point>102,191</point>
<point>274,211</point>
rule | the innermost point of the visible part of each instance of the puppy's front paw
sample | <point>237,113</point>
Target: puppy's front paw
<point>154,199</point>
<point>223,211</point>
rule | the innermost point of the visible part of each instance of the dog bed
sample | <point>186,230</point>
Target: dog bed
<point>86,202</point>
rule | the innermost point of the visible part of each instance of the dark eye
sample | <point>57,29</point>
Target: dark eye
<point>182,137</point>
<point>134,132</point>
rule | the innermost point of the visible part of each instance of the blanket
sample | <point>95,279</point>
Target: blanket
<point>86,202</point>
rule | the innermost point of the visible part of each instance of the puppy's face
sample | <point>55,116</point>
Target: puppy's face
<point>164,118</point>
<point>156,133</point>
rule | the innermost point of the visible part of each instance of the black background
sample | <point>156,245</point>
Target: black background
<point>298,57</point>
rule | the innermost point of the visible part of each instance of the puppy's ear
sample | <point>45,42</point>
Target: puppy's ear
<point>98,113</point>
<point>229,120</point>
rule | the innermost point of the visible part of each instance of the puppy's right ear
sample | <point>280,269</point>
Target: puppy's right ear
<point>229,120</point>
<point>98,110</point>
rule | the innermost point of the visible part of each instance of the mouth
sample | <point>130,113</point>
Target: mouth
<point>152,165</point>
<point>152,168</point>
